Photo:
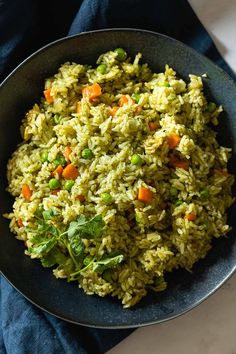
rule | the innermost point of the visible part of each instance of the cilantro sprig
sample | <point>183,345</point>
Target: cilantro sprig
<point>84,228</point>
<point>101,265</point>
<point>56,246</point>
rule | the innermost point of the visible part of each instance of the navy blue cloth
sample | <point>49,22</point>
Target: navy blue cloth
<point>25,26</point>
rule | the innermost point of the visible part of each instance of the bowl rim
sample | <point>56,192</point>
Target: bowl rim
<point>195,52</point>
<point>118,29</point>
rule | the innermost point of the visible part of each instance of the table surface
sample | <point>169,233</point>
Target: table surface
<point>209,328</point>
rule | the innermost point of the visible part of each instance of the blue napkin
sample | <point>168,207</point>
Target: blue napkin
<point>25,26</point>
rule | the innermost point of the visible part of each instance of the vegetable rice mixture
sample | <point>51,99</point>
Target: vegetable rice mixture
<point>119,178</point>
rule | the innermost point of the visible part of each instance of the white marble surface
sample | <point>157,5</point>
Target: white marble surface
<point>209,328</point>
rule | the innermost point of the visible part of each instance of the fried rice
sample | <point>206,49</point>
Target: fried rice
<point>119,178</point>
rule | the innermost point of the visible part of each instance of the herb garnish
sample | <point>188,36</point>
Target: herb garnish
<point>84,228</point>
<point>56,246</point>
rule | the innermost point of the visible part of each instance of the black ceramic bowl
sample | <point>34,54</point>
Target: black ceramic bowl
<point>19,91</point>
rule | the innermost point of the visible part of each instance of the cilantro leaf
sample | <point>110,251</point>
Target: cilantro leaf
<point>43,228</point>
<point>107,275</point>
<point>76,249</point>
<point>49,214</point>
<point>53,230</point>
<point>89,229</point>
<point>55,256</point>
<point>43,247</point>
<point>87,260</point>
<point>44,238</point>
<point>107,263</point>
<point>82,220</point>
<point>37,238</point>
<point>73,229</point>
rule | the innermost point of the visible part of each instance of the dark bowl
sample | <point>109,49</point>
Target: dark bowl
<point>19,91</point>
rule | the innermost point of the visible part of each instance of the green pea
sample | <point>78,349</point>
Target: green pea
<point>136,97</point>
<point>56,162</point>
<point>166,84</point>
<point>178,202</point>
<point>204,194</point>
<point>121,54</point>
<point>87,154</point>
<point>53,183</point>
<point>102,69</point>
<point>60,160</point>
<point>106,198</point>
<point>69,184</point>
<point>163,84</point>
<point>56,118</point>
<point>173,192</point>
<point>44,156</point>
<point>107,275</point>
<point>211,107</point>
<point>136,160</point>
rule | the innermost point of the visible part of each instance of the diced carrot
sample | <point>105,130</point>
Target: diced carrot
<point>70,172</point>
<point>145,195</point>
<point>173,140</point>
<point>153,125</point>
<point>67,152</point>
<point>125,99</point>
<point>26,192</point>
<point>114,110</point>
<point>224,172</point>
<point>55,191</point>
<point>190,216</point>
<point>58,171</point>
<point>47,95</point>
<point>20,223</point>
<point>175,162</point>
<point>92,91</point>
<point>81,198</point>
<point>181,164</point>
<point>78,107</point>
